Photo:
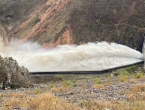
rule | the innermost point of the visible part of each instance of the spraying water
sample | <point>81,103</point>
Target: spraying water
<point>87,57</point>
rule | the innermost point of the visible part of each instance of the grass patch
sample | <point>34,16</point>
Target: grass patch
<point>16,95</point>
<point>37,91</point>
<point>40,102</point>
<point>51,86</point>
<point>74,85</point>
<point>122,79</point>
<point>138,75</point>
<point>66,83</point>
<point>133,80</point>
<point>113,105</point>
<point>97,81</point>
<point>74,81</point>
<point>1,94</point>
<point>123,72</point>
<point>142,78</point>
<point>98,85</point>
<point>137,88</point>
<point>60,89</point>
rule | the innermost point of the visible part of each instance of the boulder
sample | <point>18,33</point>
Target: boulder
<point>13,75</point>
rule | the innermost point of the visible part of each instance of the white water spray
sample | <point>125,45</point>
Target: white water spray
<point>88,57</point>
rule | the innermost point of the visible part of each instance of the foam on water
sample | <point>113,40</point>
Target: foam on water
<point>87,57</point>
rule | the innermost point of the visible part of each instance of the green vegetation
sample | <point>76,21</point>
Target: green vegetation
<point>138,75</point>
<point>66,83</point>
<point>134,100</point>
<point>37,91</point>
<point>36,20</point>
<point>74,85</point>
<point>15,9</point>
<point>133,68</point>
<point>51,86</point>
<point>129,70</point>
<point>97,81</point>
<point>74,81</point>
<point>122,79</point>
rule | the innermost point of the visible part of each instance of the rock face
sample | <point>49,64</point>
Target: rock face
<point>11,74</point>
<point>120,21</point>
<point>56,22</point>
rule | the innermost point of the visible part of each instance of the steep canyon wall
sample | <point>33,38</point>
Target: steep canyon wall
<point>53,23</point>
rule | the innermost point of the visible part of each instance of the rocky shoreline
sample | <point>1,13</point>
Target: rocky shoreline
<point>112,89</point>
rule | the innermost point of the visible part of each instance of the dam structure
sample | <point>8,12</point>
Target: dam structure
<point>83,72</point>
<point>100,57</point>
<point>79,59</point>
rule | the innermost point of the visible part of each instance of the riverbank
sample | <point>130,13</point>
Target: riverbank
<point>90,92</point>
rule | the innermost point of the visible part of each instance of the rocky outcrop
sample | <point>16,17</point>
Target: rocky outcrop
<point>11,74</point>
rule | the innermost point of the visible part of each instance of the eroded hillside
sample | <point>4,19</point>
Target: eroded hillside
<point>57,22</point>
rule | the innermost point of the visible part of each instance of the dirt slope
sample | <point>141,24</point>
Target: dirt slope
<point>52,23</point>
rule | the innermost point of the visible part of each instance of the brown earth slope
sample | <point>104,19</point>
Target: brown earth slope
<point>55,22</point>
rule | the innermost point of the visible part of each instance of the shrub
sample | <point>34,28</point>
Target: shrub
<point>74,81</point>
<point>37,91</point>
<point>45,101</point>
<point>123,72</point>
<point>99,82</point>
<point>51,86</point>
<point>138,75</point>
<point>83,103</point>
<point>132,69</point>
<point>96,79</point>
<point>137,88</point>
<point>75,85</point>
<point>66,83</point>
<point>37,20</point>
<point>122,79</point>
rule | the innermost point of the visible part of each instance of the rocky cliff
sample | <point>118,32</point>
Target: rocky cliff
<point>11,74</point>
<point>57,22</point>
